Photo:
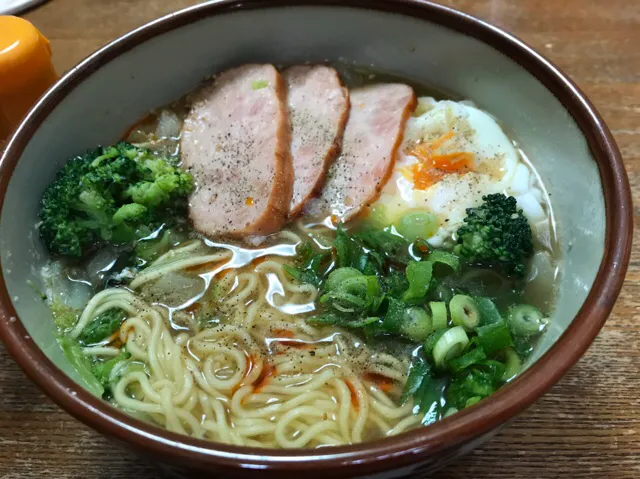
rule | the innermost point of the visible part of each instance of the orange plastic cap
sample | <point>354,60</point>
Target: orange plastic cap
<point>25,55</point>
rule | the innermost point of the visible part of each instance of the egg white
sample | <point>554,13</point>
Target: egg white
<point>497,167</point>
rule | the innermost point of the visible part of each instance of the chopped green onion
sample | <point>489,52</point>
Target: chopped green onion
<point>488,311</point>
<point>494,369</point>
<point>478,384</point>
<point>82,365</point>
<point>450,345</point>
<point>450,412</point>
<point>447,259</point>
<point>330,319</point>
<point>417,224</point>
<point>494,337</point>
<point>438,314</point>
<point>513,365</point>
<point>416,324</point>
<point>431,341</point>
<point>472,400</point>
<point>377,217</point>
<point>463,362</point>
<point>338,276</point>
<point>419,370</point>
<point>525,320</point>
<point>259,84</point>
<point>464,312</point>
<point>419,277</point>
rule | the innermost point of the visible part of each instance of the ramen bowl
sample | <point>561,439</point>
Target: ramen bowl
<point>549,117</point>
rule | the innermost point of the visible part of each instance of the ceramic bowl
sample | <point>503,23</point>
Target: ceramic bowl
<point>541,108</point>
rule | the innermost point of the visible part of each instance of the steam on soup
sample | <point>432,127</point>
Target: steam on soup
<point>277,260</point>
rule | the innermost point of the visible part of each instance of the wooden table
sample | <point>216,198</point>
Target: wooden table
<point>588,426</point>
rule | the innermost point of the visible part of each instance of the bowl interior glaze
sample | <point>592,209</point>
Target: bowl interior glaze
<point>121,84</point>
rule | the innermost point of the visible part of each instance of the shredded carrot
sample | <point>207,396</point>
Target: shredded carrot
<point>279,334</point>
<point>283,333</point>
<point>453,162</point>
<point>382,382</point>
<point>268,371</point>
<point>422,175</point>
<point>354,394</point>
<point>247,370</point>
<point>433,166</point>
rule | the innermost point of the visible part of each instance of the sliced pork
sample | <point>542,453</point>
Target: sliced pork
<point>318,112</point>
<point>373,134</point>
<point>235,142</point>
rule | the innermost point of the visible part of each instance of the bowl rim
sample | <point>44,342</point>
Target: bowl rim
<point>409,447</point>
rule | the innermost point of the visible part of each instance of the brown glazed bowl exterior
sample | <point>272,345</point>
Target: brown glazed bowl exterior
<point>421,450</point>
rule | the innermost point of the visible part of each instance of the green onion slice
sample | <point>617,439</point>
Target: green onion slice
<point>494,337</point>
<point>464,312</point>
<point>468,359</point>
<point>438,314</point>
<point>416,324</point>
<point>450,345</point>
<point>513,364</point>
<point>525,320</point>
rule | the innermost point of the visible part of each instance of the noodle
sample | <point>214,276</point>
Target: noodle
<point>256,376</point>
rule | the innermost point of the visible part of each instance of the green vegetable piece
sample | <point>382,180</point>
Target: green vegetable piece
<point>102,370</point>
<point>330,319</point>
<point>472,400</point>
<point>337,276</point>
<point>385,244</point>
<point>450,412</point>
<point>450,345</point>
<point>259,84</point>
<point>310,266</point>
<point>464,312</point>
<point>419,276</point>
<point>497,233</point>
<point>356,294</point>
<point>115,194</point>
<point>525,320</point>
<point>444,258</point>
<point>431,341</point>
<point>377,217</point>
<point>494,337</point>
<point>64,316</point>
<point>416,325</point>
<point>493,369</point>
<point>418,372</point>
<point>151,248</point>
<point>73,352</point>
<point>489,313</point>
<point>103,326</point>
<point>417,224</point>
<point>438,314</point>
<point>469,359</point>
<point>129,212</point>
<point>513,364</point>
<point>394,317</point>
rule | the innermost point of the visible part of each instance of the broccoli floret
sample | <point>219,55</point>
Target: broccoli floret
<point>497,233</point>
<point>116,194</point>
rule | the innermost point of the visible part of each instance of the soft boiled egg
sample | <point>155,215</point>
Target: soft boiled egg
<point>454,154</point>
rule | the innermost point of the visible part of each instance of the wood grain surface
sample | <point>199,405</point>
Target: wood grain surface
<point>588,426</point>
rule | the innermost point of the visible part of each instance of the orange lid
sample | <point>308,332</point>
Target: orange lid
<point>26,70</point>
<point>24,53</point>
